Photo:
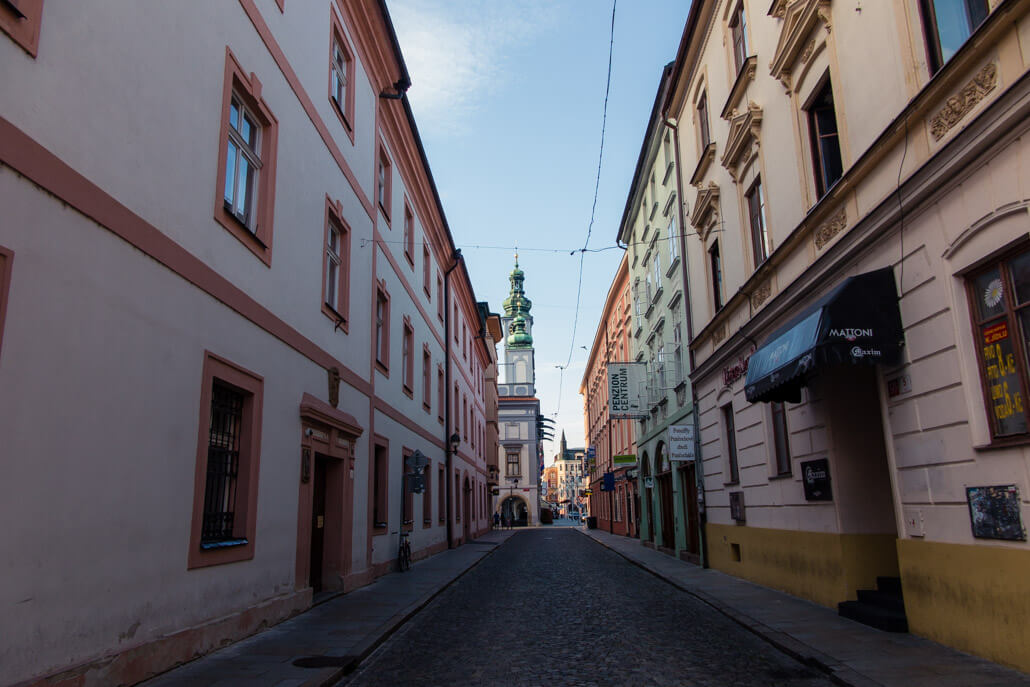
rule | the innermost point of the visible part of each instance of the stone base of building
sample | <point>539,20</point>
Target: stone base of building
<point>973,598</point>
<point>824,568</point>
<point>145,660</point>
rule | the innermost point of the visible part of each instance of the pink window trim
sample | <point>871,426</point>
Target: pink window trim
<point>440,305</point>
<point>379,441</point>
<point>427,378</point>
<point>427,279</point>
<point>219,368</point>
<point>281,4</point>
<point>382,362</point>
<point>384,159</point>
<point>408,374</point>
<point>248,89</point>
<point>24,32</point>
<point>409,233</point>
<point>441,393</point>
<point>339,315</point>
<point>6,265</point>
<point>346,114</point>
<point>407,494</point>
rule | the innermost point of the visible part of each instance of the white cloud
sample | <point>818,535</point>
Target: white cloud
<point>456,52</point>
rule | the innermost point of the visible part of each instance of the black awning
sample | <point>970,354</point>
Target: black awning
<point>857,323</point>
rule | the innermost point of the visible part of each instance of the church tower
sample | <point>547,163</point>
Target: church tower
<point>519,364</point>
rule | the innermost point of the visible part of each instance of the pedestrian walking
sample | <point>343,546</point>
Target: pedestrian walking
<point>497,520</point>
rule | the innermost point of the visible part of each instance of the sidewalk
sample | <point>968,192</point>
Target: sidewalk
<point>849,652</point>
<point>333,637</point>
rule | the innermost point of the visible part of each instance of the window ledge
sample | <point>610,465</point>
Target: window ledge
<point>426,407</point>
<point>379,526</point>
<point>224,544</point>
<point>1000,444</point>
<point>731,484</point>
<point>411,260</point>
<point>707,155</point>
<point>409,392</point>
<point>383,367</point>
<point>785,475</point>
<point>673,266</point>
<point>347,128</point>
<point>339,320</point>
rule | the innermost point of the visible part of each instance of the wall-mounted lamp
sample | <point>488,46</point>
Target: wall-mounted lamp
<point>455,440</point>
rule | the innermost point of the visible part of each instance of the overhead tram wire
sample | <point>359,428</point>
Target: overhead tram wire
<point>593,208</point>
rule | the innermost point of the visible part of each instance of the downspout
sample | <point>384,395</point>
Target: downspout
<point>702,517</point>
<point>449,489</point>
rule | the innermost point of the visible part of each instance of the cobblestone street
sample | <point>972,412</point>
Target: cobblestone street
<point>552,607</point>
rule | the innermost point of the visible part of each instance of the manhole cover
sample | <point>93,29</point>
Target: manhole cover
<point>323,661</point>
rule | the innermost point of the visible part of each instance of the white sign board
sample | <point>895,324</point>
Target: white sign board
<point>626,390</point>
<point>681,442</point>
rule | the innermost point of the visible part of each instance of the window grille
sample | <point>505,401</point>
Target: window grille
<point>223,464</point>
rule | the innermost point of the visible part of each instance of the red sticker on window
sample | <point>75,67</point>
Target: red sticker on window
<point>996,333</point>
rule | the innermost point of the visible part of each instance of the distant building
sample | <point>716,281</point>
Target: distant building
<point>571,476</point>
<point>519,408</point>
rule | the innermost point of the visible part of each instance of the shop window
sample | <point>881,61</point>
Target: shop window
<point>781,440</point>
<point>380,485</point>
<point>341,77</point>
<point>756,215</point>
<point>228,455</point>
<point>730,433</point>
<point>20,19</point>
<point>408,497</point>
<point>246,167</point>
<point>948,24</point>
<point>822,128</point>
<point>382,329</point>
<point>716,274</point>
<point>336,267</point>
<point>999,297</point>
<point>427,497</point>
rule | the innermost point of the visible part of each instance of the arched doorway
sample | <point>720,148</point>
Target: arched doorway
<point>647,512</point>
<point>663,481</point>
<point>467,506</point>
<point>514,512</point>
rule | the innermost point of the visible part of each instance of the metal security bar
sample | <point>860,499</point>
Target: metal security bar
<point>223,465</point>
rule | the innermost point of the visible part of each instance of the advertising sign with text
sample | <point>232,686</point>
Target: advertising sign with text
<point>626,387</point>
<point>681,442</point>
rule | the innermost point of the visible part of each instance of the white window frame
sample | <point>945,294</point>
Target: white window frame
<point>246,210</point>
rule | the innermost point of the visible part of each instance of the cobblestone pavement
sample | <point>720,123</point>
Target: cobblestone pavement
<point>553,608</point>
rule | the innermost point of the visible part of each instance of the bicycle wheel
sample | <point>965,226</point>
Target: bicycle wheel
<point>405,557</point>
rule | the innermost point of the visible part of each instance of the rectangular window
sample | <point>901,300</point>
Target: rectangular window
<point>427,496</point>
<point>408,358</point>
<point>227,467</point>
<point>457,496</point>
<point>441,511</point>
<point>657,269</point>
<point>822,127</point>
<point>738,27</point>
<point>512,466</point>
<point>20,20</point>
<point>948,24</point>
<point>341,76</point>
<point>677,354</point>
<point>246,162</point>
<point>716,270</point>
<point>409,234</point>
<point>336,266</point>
<point>382,329</point>
<point>667,150</point>
<point>6,263</point>
<point>673,240</point>
<point>427,379</point>
<point>380,486</point>
<point>731,444</point>
<point>455,323</point>
<point>441,388</point>
<point>440,305</point>
<point>781,440</point>
<point>756,215</point>
<point>702,121</point>
<point>427,263</point>
<point>465,418</point>
<point>384,182</point>
<point>999,296</point>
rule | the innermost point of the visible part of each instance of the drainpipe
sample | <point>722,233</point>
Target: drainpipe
<point>702,516</point>
<point>447,395</point>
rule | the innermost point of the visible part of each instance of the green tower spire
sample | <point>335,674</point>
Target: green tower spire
<point>517,307</point>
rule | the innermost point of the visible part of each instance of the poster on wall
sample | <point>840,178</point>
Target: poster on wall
<point>626,387</point>
<point>815,475</point>
<point>681,442</point>
<point>994,512</point>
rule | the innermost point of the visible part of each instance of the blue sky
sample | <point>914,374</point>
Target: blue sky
<point>508,97</point>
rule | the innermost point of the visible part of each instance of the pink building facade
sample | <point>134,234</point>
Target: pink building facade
<point>206,416</point>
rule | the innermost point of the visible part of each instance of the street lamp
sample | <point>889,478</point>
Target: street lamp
<point>455,440</point>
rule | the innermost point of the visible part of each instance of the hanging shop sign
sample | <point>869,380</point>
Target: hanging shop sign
<point>624,461</point>
<point>681,442</point>
<point>626,390</point>
<point>815,475</point>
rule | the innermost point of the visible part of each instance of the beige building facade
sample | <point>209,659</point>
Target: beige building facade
<point>864,160</point>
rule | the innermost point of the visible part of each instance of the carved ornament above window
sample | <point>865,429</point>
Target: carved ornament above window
<point>744,77</point>
<point>706,209</point>
<point>799,17</point>
<point>742,142</point>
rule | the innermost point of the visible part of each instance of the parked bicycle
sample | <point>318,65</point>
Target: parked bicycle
<point>404,555</point>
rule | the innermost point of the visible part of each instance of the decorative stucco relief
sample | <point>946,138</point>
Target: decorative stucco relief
<point>742,142</point>
<point>959,105</point>
<point>706,208</point>
<point>799,17</point>
<point>761,294</point>
<point>719,334</point>
<point>833,226</point>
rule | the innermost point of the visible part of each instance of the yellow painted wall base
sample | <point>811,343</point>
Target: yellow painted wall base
<point>973,598</point>
<point>825,568</point>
